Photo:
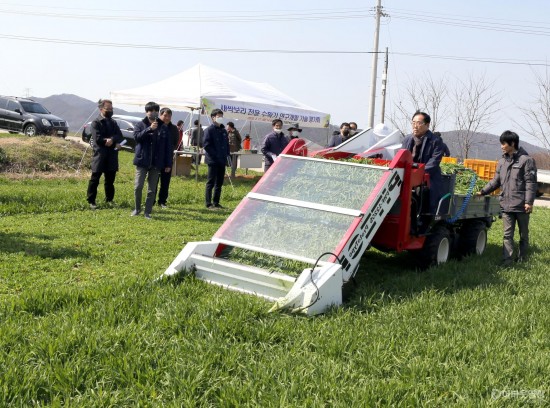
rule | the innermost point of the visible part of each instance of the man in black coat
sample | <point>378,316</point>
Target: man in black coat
<point>427,148</point>
<point>341,137</point>
<point>216,147</point>
<point>105,140</point>
<point>173,134</point>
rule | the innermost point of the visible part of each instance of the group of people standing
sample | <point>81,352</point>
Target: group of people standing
<point>347,130</point>
<point>156,140</point>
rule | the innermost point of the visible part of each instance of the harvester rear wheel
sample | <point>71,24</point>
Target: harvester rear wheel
<point>473,238</point>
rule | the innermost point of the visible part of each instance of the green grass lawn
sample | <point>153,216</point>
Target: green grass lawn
<point>83,322</point>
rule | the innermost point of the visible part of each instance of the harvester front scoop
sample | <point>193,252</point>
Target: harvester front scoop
<point>311,214</point>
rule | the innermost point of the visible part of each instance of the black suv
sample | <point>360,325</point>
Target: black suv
<point>30,117</point>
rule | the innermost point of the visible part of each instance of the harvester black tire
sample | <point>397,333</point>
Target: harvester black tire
<point>473,238</point>
<point>437,248</point>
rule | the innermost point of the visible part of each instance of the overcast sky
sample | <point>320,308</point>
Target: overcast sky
<point>46,48</point>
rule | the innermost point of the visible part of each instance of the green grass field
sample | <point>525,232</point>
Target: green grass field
<point>84,323</point>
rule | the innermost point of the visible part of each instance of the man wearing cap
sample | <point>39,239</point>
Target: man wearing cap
<point>294,132</point>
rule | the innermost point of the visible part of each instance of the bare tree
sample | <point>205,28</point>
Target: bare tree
<point>400,117</point>
<point>429,95</point>
<point>475,104</point>
<point>537,114</point>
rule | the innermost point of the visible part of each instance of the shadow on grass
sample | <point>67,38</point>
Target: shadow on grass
<point>18,242</point>
<point>385,278</point>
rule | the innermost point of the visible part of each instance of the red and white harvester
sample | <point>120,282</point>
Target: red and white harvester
<point>315,208</point>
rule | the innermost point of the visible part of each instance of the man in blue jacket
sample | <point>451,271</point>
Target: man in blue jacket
<point>153,154</point>
<point>216,148</point>
<point>426,148</point>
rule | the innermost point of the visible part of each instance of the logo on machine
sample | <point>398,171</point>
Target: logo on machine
<point>356,245</point>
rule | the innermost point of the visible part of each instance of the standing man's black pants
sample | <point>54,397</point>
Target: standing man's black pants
<point>109,183</point>
<point>165,178</point>
<point>216,173</point>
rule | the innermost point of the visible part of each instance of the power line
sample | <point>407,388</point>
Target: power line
<point>477,23</point>
<point>203,17</point>
<point>174,48</point>
<point>476,59</point>
<point>268,51</point>
<point>482,19</point>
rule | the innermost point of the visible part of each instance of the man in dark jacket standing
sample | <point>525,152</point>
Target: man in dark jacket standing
<point>197,140</point>
<point>427,149</point>
<point>216,147</point>
<point>516,176</point>
<point>274,143</point>
<point>173,136</point>
<point>339,138</point>
<point>235,141</point>
<point>154,153</point>
<point>105,140</point>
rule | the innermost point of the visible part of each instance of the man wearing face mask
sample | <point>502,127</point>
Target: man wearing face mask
<point>341,137</point>
<point>274,143</point>
<point>216,148</point>
<point>106,139</point>
<point>153,154</point>
<point>294,132</point>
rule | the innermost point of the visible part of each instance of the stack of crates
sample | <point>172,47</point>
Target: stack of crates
<point>485,169</point>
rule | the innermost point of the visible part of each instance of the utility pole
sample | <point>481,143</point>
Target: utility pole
<point>374,64</point>
<point>384,86</point>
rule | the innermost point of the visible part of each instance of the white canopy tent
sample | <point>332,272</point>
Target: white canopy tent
<point>208,88</point>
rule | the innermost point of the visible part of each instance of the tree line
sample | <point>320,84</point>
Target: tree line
<point>472,105</point>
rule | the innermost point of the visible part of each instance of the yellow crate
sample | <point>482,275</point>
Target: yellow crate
<point>485,169</point>
<point>453,160</point>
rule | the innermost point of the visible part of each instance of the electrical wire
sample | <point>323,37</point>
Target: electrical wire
<point>318,296</point>
<point>202,17</point>
<point>175,48</point>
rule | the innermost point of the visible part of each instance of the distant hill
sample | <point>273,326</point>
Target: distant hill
<point>79,111</point>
